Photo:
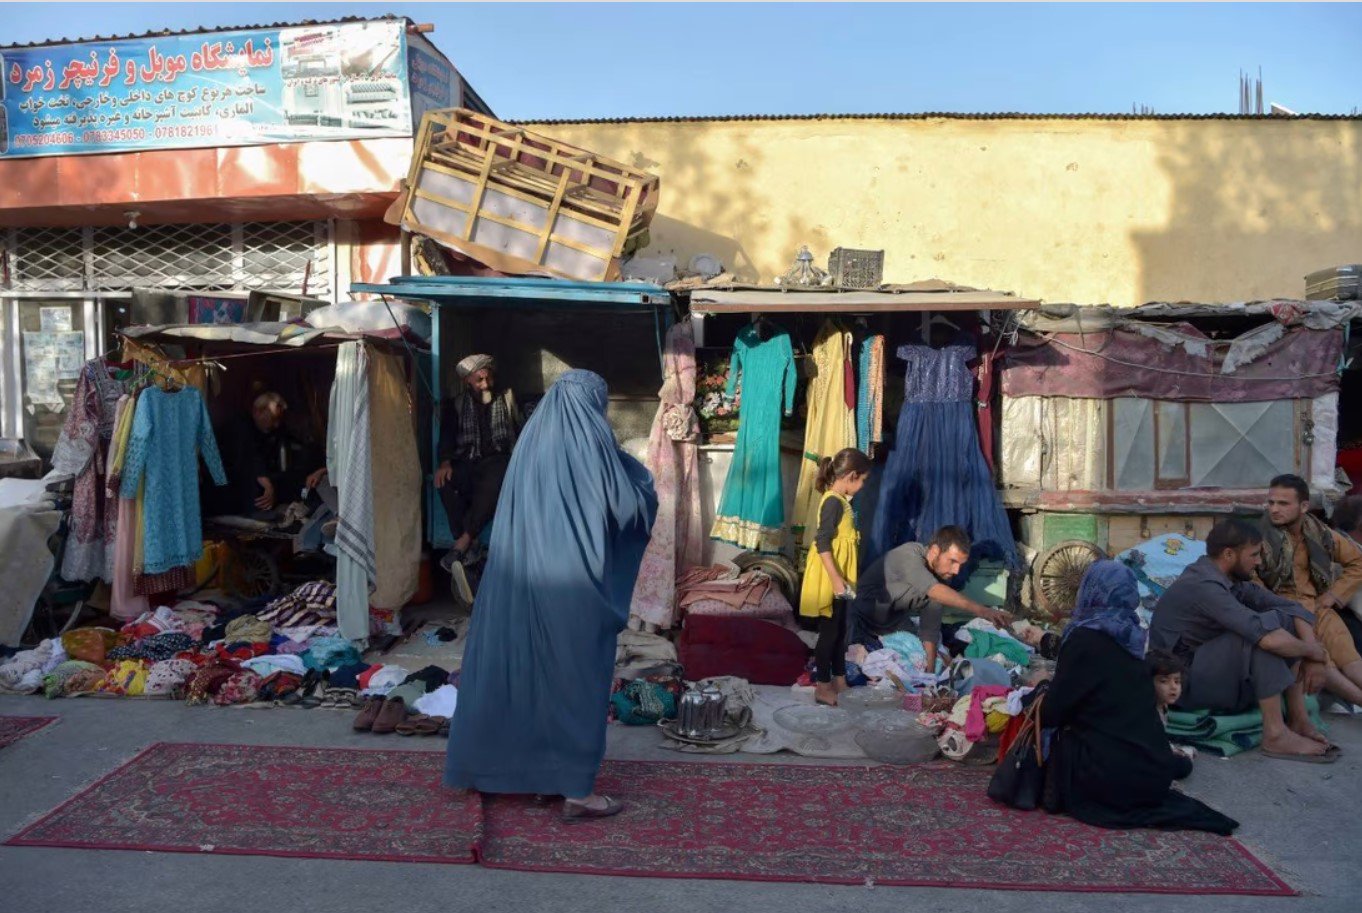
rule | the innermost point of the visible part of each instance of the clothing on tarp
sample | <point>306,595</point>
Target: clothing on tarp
<point>984,644</point>
<point>751,512</point>
<point>571,529</point>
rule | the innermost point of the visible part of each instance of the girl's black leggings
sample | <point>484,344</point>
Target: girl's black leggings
<point>830,653</point>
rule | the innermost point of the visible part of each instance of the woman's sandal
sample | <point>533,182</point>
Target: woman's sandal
<point>576,811</point>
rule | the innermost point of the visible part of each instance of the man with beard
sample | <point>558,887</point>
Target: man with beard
<point>267,467</point>
<point>1300,554</point>
<point>1244,645</point>
<point>476,437</point>
<point>911,580</point>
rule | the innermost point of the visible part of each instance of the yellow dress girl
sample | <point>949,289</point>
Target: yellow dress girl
<point>830,569</point>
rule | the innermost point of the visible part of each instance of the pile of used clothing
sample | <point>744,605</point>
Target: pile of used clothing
<point>265,653</point>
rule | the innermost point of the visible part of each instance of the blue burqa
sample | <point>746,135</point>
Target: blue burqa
<point>572,523</point>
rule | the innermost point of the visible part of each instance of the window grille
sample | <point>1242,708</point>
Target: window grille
<point>253,255</point>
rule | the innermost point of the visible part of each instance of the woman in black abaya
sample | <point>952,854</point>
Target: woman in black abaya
<point>1110,763</point>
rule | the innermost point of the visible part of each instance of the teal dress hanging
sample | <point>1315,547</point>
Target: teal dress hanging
<point>752,509</point>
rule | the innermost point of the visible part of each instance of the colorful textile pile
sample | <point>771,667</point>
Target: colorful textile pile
<point>203,653</point>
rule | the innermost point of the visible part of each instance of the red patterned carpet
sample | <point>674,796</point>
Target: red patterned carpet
<point>317,803</point>
<point>14,728</point>
<point>924,826</point>
<point>927,826</point>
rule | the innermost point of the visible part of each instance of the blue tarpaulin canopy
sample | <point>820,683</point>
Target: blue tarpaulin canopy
<point>541,294</point>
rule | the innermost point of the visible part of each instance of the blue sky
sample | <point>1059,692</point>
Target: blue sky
<point>615,60</point>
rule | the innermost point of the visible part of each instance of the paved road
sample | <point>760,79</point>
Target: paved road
<point>1302,819</point>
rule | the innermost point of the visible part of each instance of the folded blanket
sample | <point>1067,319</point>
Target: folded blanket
<point>1225,734</point>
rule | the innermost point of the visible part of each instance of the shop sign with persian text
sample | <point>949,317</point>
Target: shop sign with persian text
<point>322,82</point>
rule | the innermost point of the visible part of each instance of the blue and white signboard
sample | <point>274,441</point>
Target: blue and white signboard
<point>317,82</point>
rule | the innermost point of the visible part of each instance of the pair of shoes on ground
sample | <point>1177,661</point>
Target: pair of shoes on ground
<point>382,716</point>
<point>305,696</point>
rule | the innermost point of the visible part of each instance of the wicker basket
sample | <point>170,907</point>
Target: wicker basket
<point>852,268</point>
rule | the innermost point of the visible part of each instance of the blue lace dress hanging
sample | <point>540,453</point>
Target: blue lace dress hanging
<point>936,474</point>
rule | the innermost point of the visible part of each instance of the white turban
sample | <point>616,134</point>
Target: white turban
<point>473,364</point>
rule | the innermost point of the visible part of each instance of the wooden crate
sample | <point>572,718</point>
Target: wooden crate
<point>522,202</point>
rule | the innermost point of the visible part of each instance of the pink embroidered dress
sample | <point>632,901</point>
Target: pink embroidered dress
<point>82,451</point>
<point>678,535</point>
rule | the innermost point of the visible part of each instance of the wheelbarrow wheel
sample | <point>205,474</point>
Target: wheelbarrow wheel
<point>1057,574</point>
<point>255,574</point>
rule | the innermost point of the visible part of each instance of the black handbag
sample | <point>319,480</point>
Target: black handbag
<point>1019,780</point>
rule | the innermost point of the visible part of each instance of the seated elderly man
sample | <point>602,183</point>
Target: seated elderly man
<point>1305,561</point>
<point>911,580</point>
<point>266,466</point>
<point>1242,645</point>
<point>477,433</point>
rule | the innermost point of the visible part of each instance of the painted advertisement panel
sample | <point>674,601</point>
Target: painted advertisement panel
<point>316,82</point>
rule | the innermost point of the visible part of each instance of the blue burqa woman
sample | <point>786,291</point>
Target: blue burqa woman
<point>571,527</point>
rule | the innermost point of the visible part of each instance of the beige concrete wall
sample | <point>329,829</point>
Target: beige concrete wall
<point>1088,211</point>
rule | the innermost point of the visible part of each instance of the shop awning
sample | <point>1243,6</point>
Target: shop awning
<point>888,299</point>
<point>501,292</point>
<point>259,334</point>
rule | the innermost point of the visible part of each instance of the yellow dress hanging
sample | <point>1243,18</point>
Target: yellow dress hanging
<point>830,426</point>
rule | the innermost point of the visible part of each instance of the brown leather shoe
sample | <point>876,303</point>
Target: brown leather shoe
<point>365,720</point>
<point>393,711</point>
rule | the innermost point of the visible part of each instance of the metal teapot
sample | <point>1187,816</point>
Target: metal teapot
<point>691,713</point>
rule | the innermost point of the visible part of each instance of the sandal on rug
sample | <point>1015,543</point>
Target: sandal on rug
<point>575,811</point>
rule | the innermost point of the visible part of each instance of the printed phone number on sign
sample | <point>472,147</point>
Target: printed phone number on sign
<point>113,136</point>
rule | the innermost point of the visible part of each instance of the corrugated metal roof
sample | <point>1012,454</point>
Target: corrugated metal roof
<point>206,30</point>
<point>925,115</point>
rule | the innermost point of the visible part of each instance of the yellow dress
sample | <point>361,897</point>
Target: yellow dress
<point>830,426</point>
<point>815,596</point>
